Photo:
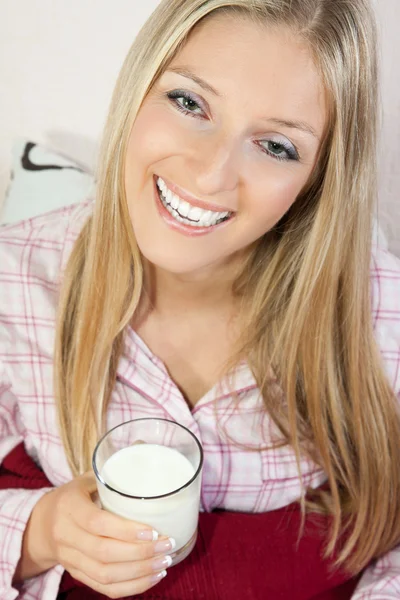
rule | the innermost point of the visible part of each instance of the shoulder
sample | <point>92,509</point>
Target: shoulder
<point>385,289</point>
<point>33,254</point>
<point>385,281</point>
<point>38,245</point>
<point>49,224</point>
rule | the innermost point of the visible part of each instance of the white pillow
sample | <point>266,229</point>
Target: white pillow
<point>41,181</point>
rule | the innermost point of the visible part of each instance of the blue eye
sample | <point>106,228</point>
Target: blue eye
<point>188,105</point>
<point>185,103</point>
<point>280,150</point>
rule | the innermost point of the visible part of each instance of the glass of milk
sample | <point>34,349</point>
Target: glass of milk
<point>149,470</point>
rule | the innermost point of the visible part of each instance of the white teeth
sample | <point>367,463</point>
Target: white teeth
<point>207,218</point>
<point>174,201</point>
<point>184,209</point>
<point>195,213</point>
<point>183,212</point>
<point>168,195</point>
<point>204,222</point>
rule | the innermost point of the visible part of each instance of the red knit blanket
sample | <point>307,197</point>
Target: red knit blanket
<point>237,556</point>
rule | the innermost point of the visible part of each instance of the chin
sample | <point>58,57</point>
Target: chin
<point>171,264</point>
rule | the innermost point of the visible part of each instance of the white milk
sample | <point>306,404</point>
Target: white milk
<point>151,470</point>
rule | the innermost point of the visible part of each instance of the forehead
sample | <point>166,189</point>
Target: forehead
<point>266,68</point>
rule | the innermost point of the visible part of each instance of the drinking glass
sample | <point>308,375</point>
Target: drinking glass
<point>173,514</point>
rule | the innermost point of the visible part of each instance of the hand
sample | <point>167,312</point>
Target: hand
<point>112,555</point>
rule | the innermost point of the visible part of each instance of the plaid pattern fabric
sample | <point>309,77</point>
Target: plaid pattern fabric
<point>32,257</point>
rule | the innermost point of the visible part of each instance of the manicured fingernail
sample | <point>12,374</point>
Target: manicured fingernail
<point>162,563</point>
<point>156,578</point>
<point>147,535</point>
<point>164,546</point>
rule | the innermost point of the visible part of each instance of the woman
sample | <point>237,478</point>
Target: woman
<point>222,279</point>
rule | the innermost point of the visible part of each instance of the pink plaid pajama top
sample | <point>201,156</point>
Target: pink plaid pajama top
<point>33,255</point>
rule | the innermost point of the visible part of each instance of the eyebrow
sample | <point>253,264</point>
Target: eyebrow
<point>301,125</point>
<point>185,72</point>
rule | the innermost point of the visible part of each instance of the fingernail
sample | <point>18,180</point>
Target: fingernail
<point>162,563</point>
<point>164,546</point>
<point>147,535</point>
<point>156,578</point>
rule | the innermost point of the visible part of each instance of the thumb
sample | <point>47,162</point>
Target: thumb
<point>88,482</point>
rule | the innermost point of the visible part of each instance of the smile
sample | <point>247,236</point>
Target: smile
<point>185,213</point>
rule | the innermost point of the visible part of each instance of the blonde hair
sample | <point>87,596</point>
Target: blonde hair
<point>306,286</point>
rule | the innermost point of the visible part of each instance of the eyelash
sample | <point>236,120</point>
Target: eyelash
<point>292,153</point>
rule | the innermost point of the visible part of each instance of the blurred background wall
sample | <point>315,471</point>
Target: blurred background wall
<point>59,60</point>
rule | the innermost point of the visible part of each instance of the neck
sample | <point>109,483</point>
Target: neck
<point>171,294</point>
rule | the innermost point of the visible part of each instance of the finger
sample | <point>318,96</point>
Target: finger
<point>120,590</point>
<point>103,523</point>
<point>106,524</point>
<point>109,573</point>
<point>108,550</point>
<point>82,510</point>
<point>87,481</point>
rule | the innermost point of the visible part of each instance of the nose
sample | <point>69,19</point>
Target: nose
<point>215,166</point>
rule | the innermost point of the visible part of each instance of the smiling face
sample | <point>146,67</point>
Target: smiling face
<point>230,133</point>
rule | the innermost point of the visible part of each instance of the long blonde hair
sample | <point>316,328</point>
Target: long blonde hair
<point>306,286</point>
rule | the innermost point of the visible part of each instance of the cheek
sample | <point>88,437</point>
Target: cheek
<point>275,195</point>
<point>153,136</point>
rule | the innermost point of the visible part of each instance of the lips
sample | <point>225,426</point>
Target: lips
<point>187,213</point>
<point>192,200</point>
<point>186,229</point>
